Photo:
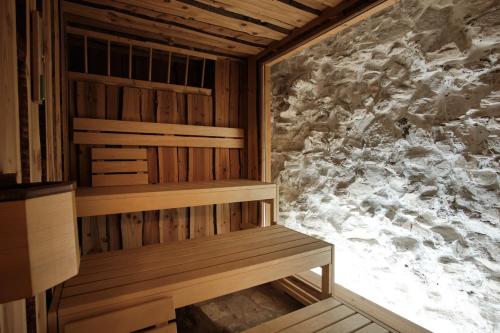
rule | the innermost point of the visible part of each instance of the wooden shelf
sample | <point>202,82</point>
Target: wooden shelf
<point>93,201</point>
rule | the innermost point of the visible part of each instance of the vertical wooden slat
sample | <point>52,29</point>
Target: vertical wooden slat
<point>265,137</point>
<point>91,102</point>
<point>131,223</point>
<point>222,167</point>
<point>183,169</point>
<point>186,74</point>
<point>113,113</point>
<point>252,160</point>
<point>109,59</point>
<point>169,66</point>
<point>130,61</point>
<point>86,54</point>
<point>203,72</point>
<point>199,111</point>
<point>57,94</point>
<point>49,98</point>
<point>171,220</point>
<point>150,68</point>
<point>151,233</point>
<point>10,156</point>
<point>234,154</point>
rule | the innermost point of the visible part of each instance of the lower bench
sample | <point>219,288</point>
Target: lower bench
<point>117,286</point>
<point>327,316</point>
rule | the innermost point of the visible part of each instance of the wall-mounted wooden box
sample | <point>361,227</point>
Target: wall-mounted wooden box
<point>38,238</point>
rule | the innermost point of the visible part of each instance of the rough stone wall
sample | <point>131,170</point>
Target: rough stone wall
<point>386,141</point>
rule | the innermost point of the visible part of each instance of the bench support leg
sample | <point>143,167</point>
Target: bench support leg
<point>327,278</point>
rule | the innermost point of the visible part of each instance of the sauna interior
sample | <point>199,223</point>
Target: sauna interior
<point>135,166</point>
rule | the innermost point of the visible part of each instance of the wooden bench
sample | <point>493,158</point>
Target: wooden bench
<point>326,316</point>
<point>94,201</point>
<point>185,272</point>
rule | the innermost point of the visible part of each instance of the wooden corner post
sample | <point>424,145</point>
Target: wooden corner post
<point>327,277</point>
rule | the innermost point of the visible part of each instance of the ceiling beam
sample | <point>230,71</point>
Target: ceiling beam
<point>175,33</point>
<point>330,22</point>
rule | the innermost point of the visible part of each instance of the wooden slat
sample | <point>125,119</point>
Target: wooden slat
<point>10,151</point>
<point>274,12</point>
<point>199,112</point>
<point>372,328</point>
<point>170,328</point>
<point>173,222</point>
<point>112,112</point>
<point>126,320</point>
<point>126,82</point>
<point>119,166</point>
<point>222,162</point>
<point>102,201</point>
<point>236,116</point>
<point>155,128</point>
<point>347,325</point>
<point>132,222</point>
<point>118,139</point>
<point>295,317</point>
<point>119,179</point>
<point>150,231</point>
<point>128,41</point>
<point>178,34</point>
<point>119,154</point>
<point>212,17</point>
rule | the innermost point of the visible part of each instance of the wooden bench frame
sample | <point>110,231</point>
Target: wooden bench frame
<point>245,259</point>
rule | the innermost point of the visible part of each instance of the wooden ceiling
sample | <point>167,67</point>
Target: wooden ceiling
<point>230,27</point>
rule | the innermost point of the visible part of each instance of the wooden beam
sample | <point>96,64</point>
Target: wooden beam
<point>125,82</point>
<point>175,33</point>
<point>212,16</point>
<point>10,150</point>
<point>329,23</point>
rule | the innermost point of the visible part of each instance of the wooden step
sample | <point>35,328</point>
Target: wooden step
<point>94,201</point>
<point>328,315</point>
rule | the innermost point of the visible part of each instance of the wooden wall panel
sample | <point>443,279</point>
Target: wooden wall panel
<point>167,164</point>
<point>131,223</point>
<point>113,98</point>
<point>151,232</point>
<point>200,112</point>
<point>222,163</point>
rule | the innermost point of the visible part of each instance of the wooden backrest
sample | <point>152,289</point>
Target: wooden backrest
<point>132,133</point>
<point>119,166</point>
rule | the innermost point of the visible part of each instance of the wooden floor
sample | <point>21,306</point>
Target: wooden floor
<point>327,316</point>
<point>187,272</point>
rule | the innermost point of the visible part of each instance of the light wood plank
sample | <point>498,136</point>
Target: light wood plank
<point>132,83</point>
<point>347,325</point>
<point>119,166</point>
<point>119,179</point>
<point>132,221</point>
<point>178,34</point>
<point>372,328</point>
<point>126,320</point>
<point>156,128</point>
<point>119,154</point>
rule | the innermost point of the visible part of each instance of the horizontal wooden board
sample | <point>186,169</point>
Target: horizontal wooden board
<point>120,179</point>
<point>119,166</point>
<point>124,82</point>
<point>123,199</point>
<point>119,154</point>
<point>125,320</point>
<point>124,139</point>
<point>121,126</point>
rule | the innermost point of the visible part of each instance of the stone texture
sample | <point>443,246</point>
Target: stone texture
<point>386,141</point>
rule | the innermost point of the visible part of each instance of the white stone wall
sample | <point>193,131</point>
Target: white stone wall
<point>386,141</point>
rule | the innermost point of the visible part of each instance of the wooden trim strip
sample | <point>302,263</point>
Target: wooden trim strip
<point>119,81</point>
<point>151,45</point>
<point>125,139</point>
<point>123,126</point>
